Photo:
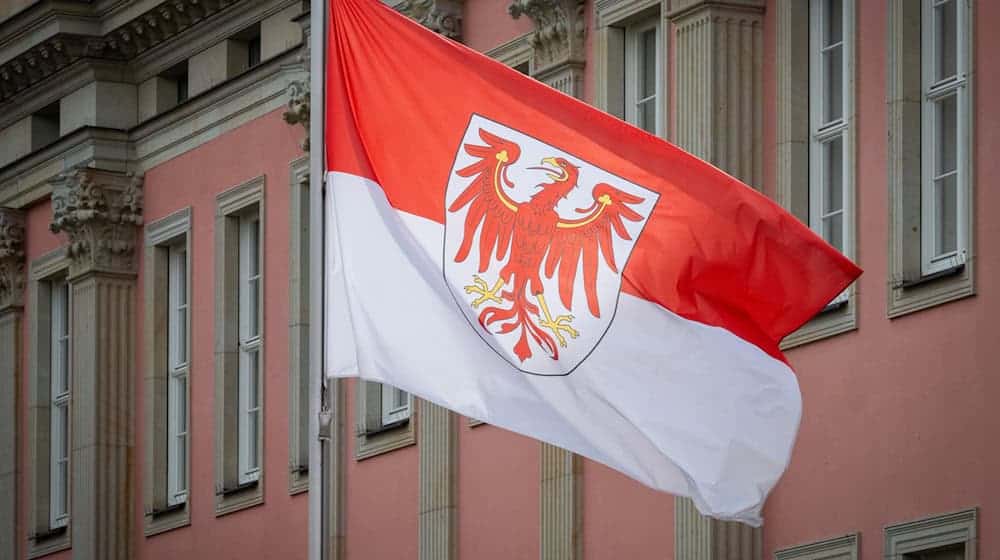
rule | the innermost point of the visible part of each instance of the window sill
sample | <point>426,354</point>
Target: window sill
<point>239,497</point>
<point>48,542</point>
<point>389,438</point>
<point>910,295</point>
<point>839,316</point>
<point>167,519</point>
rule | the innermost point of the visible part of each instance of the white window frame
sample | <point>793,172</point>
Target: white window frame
<point>633,53</point>
<point>60,395</point>
<point>932,92</point>
<point>823,132</point>
<point>396,405</point>
<point>179,355</point>
<point>250,404</point>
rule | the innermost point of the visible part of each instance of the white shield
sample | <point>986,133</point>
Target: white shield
<point>468,283</point>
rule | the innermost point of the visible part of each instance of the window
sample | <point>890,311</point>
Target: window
<point>631,63</point>
<point>167,353</point>
<point>945,537</point>
<point>59,366</point>
<point>841,548</point>
<point>253,51</point>
<point>250,363</point>
<point>944,140</point>
<point>930,108</point>
<point>50,406</point>
<point>240,347</point>
<point>814,68</point>
<point>642,75</point>
<point>384,414</point>
<point>829,155</point>
<point>177,393</point>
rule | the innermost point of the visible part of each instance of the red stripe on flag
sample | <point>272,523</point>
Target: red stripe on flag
<point>714,250</point>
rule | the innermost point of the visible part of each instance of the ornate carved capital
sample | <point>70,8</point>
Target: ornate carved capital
<point>99,211</point>
<point>298,108</point>
<point>11,258</point>
<point>559,32</point>
<point>440,16</point>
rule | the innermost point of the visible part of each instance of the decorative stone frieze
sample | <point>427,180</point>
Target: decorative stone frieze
<point>11,258</point>
<point>99,211</point>
<point>557,42</point>
<point>440,16</point>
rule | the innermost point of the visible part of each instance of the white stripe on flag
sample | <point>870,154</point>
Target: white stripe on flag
<point>680,406</point>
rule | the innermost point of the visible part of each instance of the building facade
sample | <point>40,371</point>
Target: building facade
<point>154,296</point>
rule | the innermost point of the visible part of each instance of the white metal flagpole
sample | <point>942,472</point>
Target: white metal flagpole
<point>318,485</point>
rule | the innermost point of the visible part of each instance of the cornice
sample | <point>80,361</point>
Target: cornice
<point>125,42</point>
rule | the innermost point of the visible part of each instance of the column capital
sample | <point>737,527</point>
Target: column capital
<point>440,16</point>
<point>99,211</point>
<point>297,111</point>
<point>11,258</point>
<point>557,42</point>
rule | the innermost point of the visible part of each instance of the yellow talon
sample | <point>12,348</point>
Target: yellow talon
<point>480,287</point>
<point>558,325</point>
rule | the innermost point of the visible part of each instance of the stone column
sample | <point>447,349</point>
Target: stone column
<point>437,438</point>
<point>11,305</point>
<point>99,211</point>
<point>557,43</point>
<point>561,518</point>
<point>718,56</point>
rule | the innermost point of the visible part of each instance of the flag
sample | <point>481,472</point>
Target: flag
<point>508,252</point>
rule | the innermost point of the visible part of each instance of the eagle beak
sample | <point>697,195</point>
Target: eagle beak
<point>551,161</point>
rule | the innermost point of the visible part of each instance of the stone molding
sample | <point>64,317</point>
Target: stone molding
<point>11,258</point>
<point>99,211</point>
<point>557,42</point>
<point>440,16</point>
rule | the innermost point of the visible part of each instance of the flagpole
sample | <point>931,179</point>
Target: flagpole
<point>318,483</point>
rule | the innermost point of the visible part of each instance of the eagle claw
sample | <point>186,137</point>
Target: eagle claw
<point>559,325</point>
<point>484,291</point>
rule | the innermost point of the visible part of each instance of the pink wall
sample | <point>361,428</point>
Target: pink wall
<point>498,501</point>
<point>897,421</point>
<point>486,24</point>
<point>264,146</point>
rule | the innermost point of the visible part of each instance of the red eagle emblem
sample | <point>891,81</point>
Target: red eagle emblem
<point>532,243</point>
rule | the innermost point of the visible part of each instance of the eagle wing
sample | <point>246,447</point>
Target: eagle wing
<point>488,204</point>
<point>587,237</point>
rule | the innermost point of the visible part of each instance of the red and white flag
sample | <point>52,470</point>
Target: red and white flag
<point>515,255</point>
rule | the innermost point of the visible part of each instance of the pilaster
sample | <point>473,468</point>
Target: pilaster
<point>11,300</point>
<point>99,211</point>
<point>719,102</point>
<point>557,43</point>
<point>718,72</point>
<point>438,443</point>
<point>297,111</point>
<point>561,515</point>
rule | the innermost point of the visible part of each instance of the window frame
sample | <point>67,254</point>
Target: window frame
<point>60,352</point>
<point>613,18</point>
<point>178,433</point>
<point>373,436</point>
<point>633,33</point>
<point>394,412</point>
<point>164,507</point>
<point>932,92</point>
<point>239,484</point>
<point>931,533</point>
<point>909,287</point>
<point>801,130</point>
<point>250,343</point>
<point>839,548</point>
<point>43,538</point>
